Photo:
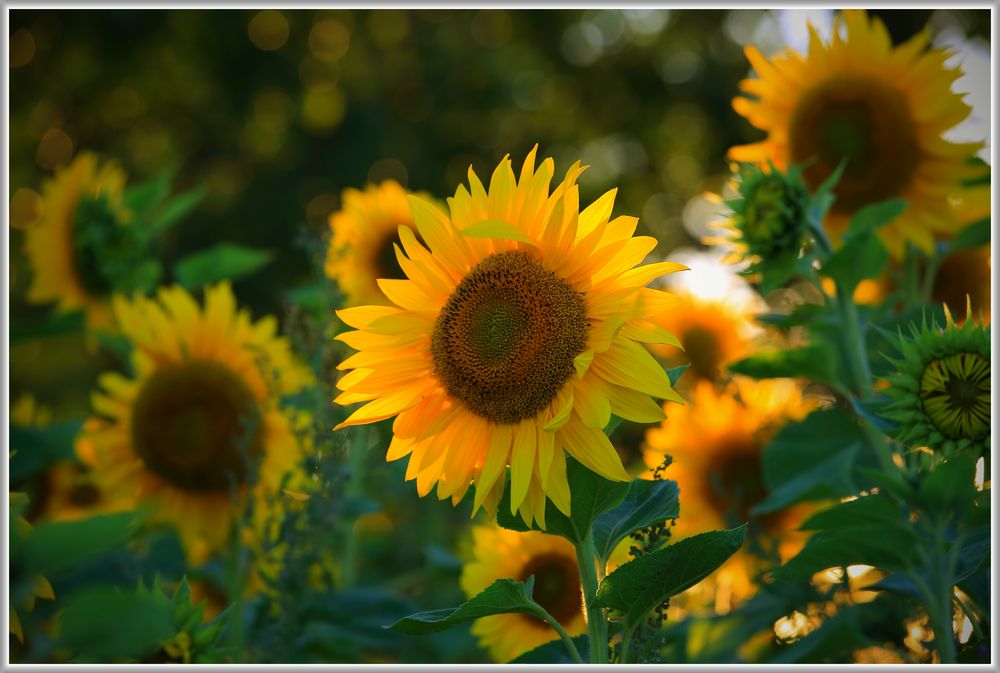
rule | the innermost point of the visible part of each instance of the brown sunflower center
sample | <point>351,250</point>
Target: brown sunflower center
<point>962,273</point>
<point>955,394</point>
<point>196,425</point>
<point>557,585</point>
<point>701,345</point>
<point>505,340</point>
<point>859,119</point>
<point>735,483</point>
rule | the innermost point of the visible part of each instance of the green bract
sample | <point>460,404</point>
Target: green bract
<point>941,393</point>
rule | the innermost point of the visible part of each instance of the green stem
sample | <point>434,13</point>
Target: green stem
<point>356,453</point>
<point>857,356</point>
<point>626,644</point>
<point>597,626</point>
<point>567,641</point>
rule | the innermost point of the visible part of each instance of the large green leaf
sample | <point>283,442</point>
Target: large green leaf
<point>813,459</point>
<point>590,496</point>
<point>640,585</point>
<point>503,596</point>
<point>951,485</point>
<point>105,624</point>
<point>225,261</point>
<point>646,503</point>
<point>812,361</point>
<point>873,530</point>
<point>61,545</point>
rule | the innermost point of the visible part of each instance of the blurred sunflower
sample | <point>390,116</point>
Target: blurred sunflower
<point>716,443</point>
<point>962,274</point>
<point>941,393</point>
<point>65,268</point>
<point>201,416</point>
<point>713,317</point>
<point>500,553</point>
<point>516,335</point>
<point>883,109</point>
<point>364,236</point>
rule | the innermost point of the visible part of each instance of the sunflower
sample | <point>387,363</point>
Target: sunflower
<point>515,336</point>
<point>199,416</point>
<point>884,109</point>
<point>362,246</point>
<point>941,393</point>
<point>716,444</point>
<point>713,318</point>
<point>65,268</point>
<point>500,553</point>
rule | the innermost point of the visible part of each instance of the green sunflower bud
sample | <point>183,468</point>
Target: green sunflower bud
<point>941,393</point>
<point>770,219</point>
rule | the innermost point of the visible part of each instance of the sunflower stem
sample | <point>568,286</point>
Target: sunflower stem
<point>597,626</point>
<point>554,623</point>
<point>355,489</point>
<point>857,357</point>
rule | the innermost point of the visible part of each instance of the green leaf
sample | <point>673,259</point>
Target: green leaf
<point>812,361</point>
<point>812,459</point>
<point>34,449</point>
<point>106,624</point>
<point>675,374</point>
<point>861,254</point>
<point>640,585</point>
<point>803,314</point>
<point>175,210</point>
<point>859,258</point>
<point>145,196</point>
<point>54,325</point>
<point>975,235</point>
<point>873,530</point>
<point>501,597</point>
<point>950,485</point>
<point>225,261</point>
<point>590,496</point>
<point>646,503</point>
<point>61,545</point>
<point>871,218</point>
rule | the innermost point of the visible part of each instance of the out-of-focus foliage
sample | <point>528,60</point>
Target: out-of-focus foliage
<point>239,132</point>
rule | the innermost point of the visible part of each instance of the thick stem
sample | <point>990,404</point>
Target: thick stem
<point>597,626</point>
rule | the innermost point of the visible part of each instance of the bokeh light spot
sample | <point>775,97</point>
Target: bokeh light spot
<point>329,40</point>
<point>388,169</point>
<point>22,48</point>
<point>55,149</point>
<point>25,208</point>
<point>268,30</point>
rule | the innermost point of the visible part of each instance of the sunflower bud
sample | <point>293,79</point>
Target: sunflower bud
<point>769,221</point>
<point>941,393</point>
